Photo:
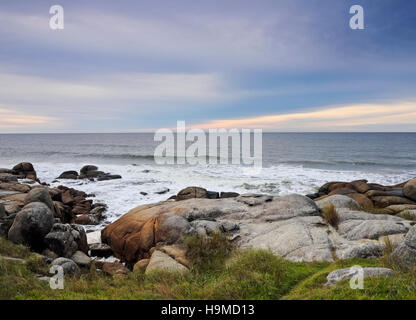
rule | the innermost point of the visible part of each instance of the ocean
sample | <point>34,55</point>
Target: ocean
<point>292,163</point>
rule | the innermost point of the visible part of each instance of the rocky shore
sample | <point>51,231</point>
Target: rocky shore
<point>149,237</point>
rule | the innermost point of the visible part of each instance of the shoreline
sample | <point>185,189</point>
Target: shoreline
<point>342,220</point>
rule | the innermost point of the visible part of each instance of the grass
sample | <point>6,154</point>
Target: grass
<point>330,214</point>
<point>235,274</point>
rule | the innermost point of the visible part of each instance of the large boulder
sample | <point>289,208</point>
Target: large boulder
<point>40,195</point>
<point>409,189</point>
<point>25,169</point>
<point>65,239</point>
<point>87,168</point>
<point>31,225</point>
<point>135,233</point>
<point>405,253</point>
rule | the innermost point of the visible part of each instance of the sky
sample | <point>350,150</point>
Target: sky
<point>279,65</point>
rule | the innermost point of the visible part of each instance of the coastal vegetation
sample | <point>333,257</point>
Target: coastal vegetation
<point>237,274</point>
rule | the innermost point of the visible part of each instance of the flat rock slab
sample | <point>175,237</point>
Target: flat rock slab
<point>289,226</point>
<point>341,274</point>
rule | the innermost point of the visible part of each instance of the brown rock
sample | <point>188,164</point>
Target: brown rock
<point>394,209</point>
<point>339,185</point>
<point>409,189</point>
<point>343,191</point>
<point>86,219</point>
<point>135,233</point>
<point>141,265</point>
<point>391,192</point>
<point>176,252</point>
<point>385,201</point>
<point>362,200</point>
<point>115,269</point>
<point>67,198</point>
<point>13,186</point>
<point>361,186</point>
<point>191,192</point>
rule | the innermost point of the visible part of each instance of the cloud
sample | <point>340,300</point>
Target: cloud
<point>359,117</point>
<point>10,119</point>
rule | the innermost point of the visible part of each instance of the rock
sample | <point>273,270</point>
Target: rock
<point>213,195</point>
<point>135,233</point>
<point>162,191</point>
<point>390,192</point>
<point>100,250</point>
<point>408,215</point>
<point>7,177</point>
<point>65,239</point>
<point>409,189</point>
<point>81,259</point>
<point>2,211</point>
<point>177,252</point>
<point>88,168</point>
<point>362,200</point>
<point>339,201</point>
<point>82,207</point>
<point>405,253</point>
<point>205,227</point>
<point>86,219</point>
<point>10,171</point>
<point>229,195</point>
<point>94,237</point>
<point>385,201</point>
<point>12,207</point>
<point>13,186</point>
<point>68,175</point>
<point>61,240</point>
<point>343,191</point>
<point>50,255</point>
<point>67,198</point>
<point>191,192</point>
<point>341,274</point>
<point>356,225</point>
<point>26,170</point>
<point>360,185</point>
<point>70,268</point>
<point>10,259</point>
<point>31,225</point>
<point>115,269</point>
<point>141,265</point>
<point>106,177</point>
<point>394,209</point>
<point>40,195</point>
<point>169,228</point>
<point>289,226</point>
<point>162,262</point>
<point>143,193</point>
<point>80,238</point>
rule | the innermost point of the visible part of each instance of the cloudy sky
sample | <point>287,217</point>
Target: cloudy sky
<point>280,65</point>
